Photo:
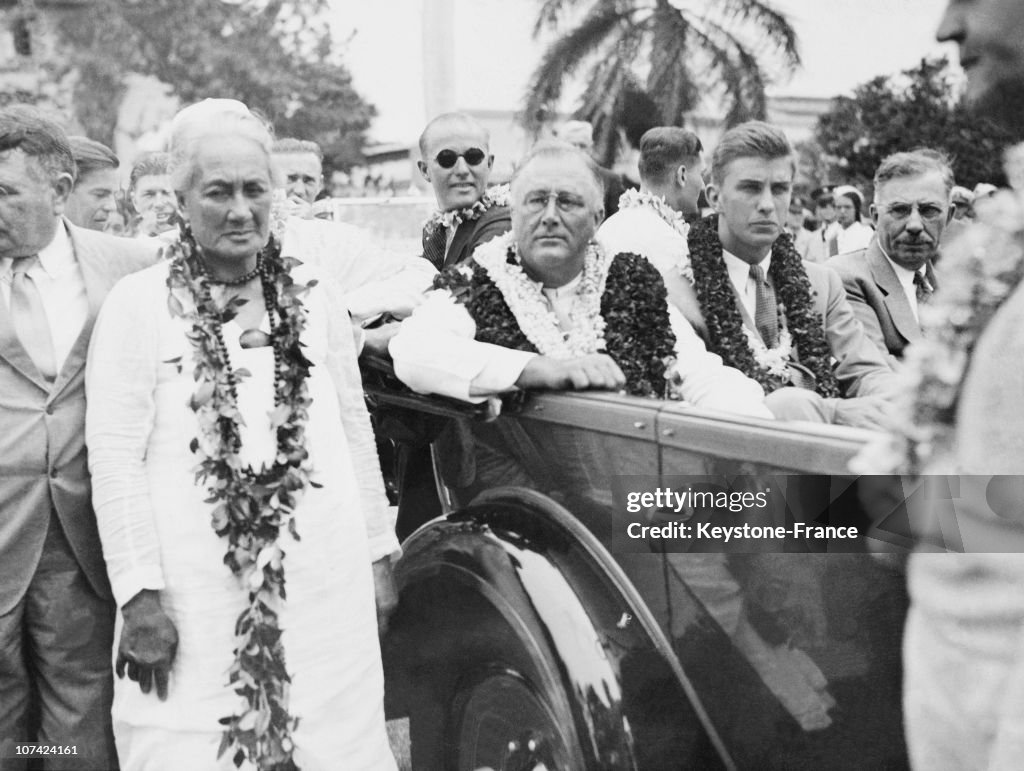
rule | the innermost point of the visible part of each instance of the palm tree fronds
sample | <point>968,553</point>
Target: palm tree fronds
<point>746,91</point>
<point>723,62</point>
<point>754,105</point>
<point>550,15</point>
<point>679,49</point>
<point>775,24</point>
<point>670,76</point>
<point>565,55</point>
<point>600,105</point>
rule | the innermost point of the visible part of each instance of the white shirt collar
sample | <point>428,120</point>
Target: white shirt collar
<point>561,292</point>
<point>739,270</point>
<point>55,259</point>
<point>58,256</point>
<point>905,275</point>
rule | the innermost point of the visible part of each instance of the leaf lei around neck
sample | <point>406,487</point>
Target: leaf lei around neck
<point>452,218</point>
<point>632,323</point>
<point>725,323</point>
<point>250,506</point>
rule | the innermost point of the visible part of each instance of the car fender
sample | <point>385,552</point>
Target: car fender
<point>562,602</point>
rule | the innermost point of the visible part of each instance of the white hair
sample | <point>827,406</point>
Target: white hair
<point>206,119</point>
<point>562,151</point>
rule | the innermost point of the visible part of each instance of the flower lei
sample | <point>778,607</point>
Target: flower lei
<point>774,360</point>
<point>726,329</point>
<point>631,324</point>
<point>452,218</point>
<point>978,272</point>
<point>527,303</point>
<point>636,199</point>
<point>251,506</point>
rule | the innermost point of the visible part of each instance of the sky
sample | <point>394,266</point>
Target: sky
<point>843,43</point>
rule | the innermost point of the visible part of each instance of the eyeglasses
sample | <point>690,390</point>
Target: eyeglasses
<point>447,158</point>
<point>566,202</point>
<point>927,211</point>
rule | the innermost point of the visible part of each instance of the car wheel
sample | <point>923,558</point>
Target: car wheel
<point>502,722</point>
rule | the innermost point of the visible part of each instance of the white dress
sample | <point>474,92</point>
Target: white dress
<point>157,534</point>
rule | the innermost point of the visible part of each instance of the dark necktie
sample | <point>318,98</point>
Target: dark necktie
<point>766,315</point>
<point>923,287</point>
<point>29,318</point>
<point>434,246</point>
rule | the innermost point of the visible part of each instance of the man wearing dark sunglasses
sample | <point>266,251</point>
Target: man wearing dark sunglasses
<point>456,161</point>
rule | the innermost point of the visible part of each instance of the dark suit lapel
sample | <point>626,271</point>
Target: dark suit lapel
<point>896,301</point>
<point>14,352</point>
<point>463,235</point>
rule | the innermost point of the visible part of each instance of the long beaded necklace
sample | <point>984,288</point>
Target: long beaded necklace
<point>250,507</point>
<point>256,340</point>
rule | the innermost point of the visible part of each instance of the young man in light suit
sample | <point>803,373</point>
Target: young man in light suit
<point>776,318</point>
<point>56,611</point>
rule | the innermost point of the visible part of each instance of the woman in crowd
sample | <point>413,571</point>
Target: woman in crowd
<point>852,233</point>
<point>231,451</point>
<point>149,190</point>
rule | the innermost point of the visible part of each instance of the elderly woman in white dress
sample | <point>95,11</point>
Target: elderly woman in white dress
<point>236,486</point>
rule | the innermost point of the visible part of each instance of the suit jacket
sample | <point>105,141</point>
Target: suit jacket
<point>42,432</point>
<point>861,368</point>
<point>878,299</point>
<point>469,235</point>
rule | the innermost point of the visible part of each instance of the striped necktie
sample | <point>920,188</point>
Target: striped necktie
<point>29,318</point>
<point>923,287</point>
<point>766,314</point>
<point>434,246</point>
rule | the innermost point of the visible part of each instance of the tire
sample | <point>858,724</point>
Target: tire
<point>501,721</point>
<point>476,689</point>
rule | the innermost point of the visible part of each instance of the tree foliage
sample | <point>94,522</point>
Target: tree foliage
<point>920,107</point>
<point>277,56</point>
<point>673,52</point>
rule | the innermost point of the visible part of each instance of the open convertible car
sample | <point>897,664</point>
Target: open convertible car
<point>540,627</point>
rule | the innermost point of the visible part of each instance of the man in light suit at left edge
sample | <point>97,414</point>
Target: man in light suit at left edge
<point>56,611</point>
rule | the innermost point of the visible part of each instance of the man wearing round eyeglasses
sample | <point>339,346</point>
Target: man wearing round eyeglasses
<point>532,317</point>
<point>456,161</point>
<point>888,281</point>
